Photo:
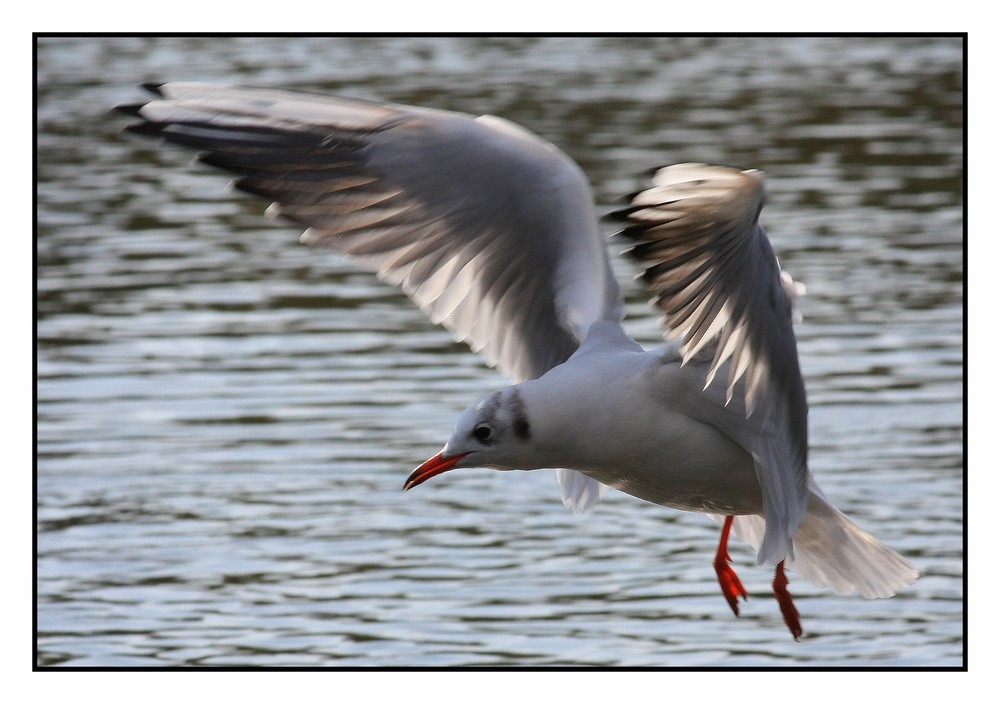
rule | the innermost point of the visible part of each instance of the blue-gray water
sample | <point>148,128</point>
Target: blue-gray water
<point>225,417</point>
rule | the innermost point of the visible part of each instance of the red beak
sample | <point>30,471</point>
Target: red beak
<point>436,465</point>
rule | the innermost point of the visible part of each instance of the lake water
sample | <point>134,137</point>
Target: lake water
<point>225,418</point>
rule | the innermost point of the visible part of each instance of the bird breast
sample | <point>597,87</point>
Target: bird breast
<point>628,422</point>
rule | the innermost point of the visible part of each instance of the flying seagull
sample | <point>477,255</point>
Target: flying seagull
<point>492,232</point>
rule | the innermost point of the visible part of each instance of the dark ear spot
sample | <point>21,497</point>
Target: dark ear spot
<point>519,418</point>
<point>522,428</point>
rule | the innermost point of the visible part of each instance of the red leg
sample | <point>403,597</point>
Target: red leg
<point>731,585</point>
<point>788,610</point>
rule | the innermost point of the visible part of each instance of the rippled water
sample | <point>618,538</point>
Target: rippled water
<point>225,418</point>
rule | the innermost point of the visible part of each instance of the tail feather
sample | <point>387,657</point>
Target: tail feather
<point>832,551</point>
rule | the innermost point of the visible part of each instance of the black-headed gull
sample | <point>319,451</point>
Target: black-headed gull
<point>492,232</point>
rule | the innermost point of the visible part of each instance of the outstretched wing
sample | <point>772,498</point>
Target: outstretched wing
<point>488,228</point>
<point>714,275</point>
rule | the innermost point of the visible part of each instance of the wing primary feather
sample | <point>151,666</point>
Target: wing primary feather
<point>417,195</point>
<point>713,274</point>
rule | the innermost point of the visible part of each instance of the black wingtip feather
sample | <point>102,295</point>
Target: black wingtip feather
<point>154,88</point>
<point>620,215</point>
<point>624,214</point>
<point>131,109</point>
<point>146,129</point>
<point>635,231</point>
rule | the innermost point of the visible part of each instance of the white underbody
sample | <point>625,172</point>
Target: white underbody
<point>634,428</point>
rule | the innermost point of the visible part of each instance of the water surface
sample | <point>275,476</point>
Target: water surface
<point>225,418</point>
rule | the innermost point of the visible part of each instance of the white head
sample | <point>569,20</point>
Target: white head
<point>493,432</point>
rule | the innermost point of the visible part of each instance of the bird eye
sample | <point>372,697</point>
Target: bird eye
<point>483,432</point>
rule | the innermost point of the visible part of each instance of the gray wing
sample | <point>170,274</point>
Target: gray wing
<point>714,275</point>
<point>488,228</point>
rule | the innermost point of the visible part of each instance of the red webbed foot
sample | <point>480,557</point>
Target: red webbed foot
<point>788,610</point>
<point>732,587</point>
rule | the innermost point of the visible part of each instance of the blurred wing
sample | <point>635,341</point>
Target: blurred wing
<point>714,275</point>
<point>488,228</point>
<point>712,270</point>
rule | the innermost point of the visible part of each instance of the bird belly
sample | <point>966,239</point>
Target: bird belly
<point>692,467</point>
<point>644,427</point>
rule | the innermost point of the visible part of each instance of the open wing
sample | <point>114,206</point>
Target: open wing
<point>714,275</point>
<point>488,228</point>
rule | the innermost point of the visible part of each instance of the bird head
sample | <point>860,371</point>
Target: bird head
<point>493,432</point>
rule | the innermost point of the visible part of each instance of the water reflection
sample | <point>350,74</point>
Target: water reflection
<point>225,418</point>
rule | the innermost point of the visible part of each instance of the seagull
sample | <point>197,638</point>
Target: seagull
<point>493,233</point>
